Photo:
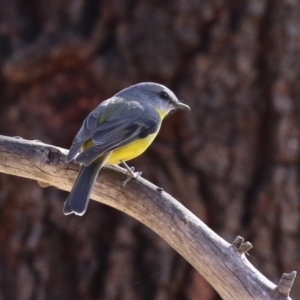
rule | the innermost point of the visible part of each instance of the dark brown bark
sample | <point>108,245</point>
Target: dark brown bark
<point>233,161</point>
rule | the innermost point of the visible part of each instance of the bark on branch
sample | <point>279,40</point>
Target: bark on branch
<point>222,264</point>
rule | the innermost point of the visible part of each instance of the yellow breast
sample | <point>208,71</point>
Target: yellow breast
<point>135,148</point>
<point>131,150</point>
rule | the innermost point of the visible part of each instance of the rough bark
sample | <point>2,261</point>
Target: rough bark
<point>237,153</point>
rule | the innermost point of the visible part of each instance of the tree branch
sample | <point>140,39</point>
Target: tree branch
<point>222,264</point>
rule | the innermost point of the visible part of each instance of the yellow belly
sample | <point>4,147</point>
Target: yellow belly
<point>131,150</point>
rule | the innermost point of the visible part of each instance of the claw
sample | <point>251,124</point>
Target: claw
<point>130,173</point>
<point>130,176</point>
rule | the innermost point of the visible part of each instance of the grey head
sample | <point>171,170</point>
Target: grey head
<point>154,94</point>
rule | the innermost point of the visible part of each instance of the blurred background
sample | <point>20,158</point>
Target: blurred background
<point>233,160</point>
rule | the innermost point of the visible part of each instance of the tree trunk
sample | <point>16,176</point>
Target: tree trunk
<point>233,160</point>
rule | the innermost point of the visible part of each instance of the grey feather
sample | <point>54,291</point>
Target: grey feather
<point>79,196</point>
<point>129,115</point>
<point>126,122</point>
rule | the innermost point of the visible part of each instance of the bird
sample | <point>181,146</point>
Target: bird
<point>117,130</point>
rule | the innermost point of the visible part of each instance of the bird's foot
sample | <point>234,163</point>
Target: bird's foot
<point>130,173</point>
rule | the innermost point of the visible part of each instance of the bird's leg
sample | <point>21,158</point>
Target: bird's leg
<point>130,173</point>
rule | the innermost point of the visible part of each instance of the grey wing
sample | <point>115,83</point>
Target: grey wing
<point>119,131</point>
<point>86,132</point>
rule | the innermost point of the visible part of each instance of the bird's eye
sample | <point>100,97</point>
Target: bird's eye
<point>164,95</point>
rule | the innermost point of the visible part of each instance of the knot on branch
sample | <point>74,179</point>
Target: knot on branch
<point>241,246</point>
<point>43,184</point>
<point>285,283</point>
<point>51,156</point>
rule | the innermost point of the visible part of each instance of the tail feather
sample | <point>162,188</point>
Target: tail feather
<point>79,196</point>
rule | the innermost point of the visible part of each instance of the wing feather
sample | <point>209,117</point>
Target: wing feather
<point>113,125</point>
